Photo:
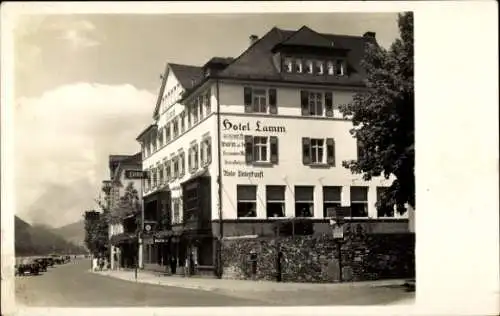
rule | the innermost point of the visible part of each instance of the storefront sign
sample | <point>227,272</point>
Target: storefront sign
<point>160,240</point>
<point>136,174</point>
<point>245,174</point>
<point>258,126</point>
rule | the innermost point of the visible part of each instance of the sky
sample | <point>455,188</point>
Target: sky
<point>86,85</point>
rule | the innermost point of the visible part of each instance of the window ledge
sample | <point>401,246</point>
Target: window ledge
<point>262,163</point>
<point>320,165</point>
<point>247,218</point>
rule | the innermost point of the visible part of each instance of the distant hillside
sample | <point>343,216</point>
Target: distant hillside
<point>74,233</point>
<point>40,240</point>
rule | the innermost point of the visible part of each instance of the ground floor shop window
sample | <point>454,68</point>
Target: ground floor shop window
<point>304,201</point>
<point>359,201</point>
<point>331,198</point>
<point>275,201</point>
<point>247,200</point>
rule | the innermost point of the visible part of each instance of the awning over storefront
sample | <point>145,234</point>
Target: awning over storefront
<point>122,238</point>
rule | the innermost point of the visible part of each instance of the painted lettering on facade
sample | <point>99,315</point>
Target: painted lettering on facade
<point>244,174</point>
<point>258,126</point>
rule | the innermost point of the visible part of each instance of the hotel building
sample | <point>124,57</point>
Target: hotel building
<point>242,143</point>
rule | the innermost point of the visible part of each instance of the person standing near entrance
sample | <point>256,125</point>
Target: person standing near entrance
<point>173,265</point>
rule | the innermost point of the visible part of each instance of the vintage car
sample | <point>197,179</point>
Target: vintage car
<point>43,262</point>
<point>27,265</point>
<point>57,259</point>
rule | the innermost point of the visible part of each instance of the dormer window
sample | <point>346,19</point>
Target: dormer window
<point>298,65</point>
<point>288,65</point>
<point>329,67</point>
<point>339,68</point>
<point>309,67</point>
<point>319,67</point>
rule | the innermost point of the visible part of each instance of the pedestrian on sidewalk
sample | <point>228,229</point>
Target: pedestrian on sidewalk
<point>173,265</point>
<point>94,264</point>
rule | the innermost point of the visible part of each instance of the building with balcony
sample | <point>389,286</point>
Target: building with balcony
<point>241,144</point>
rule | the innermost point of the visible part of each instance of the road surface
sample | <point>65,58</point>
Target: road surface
<point>71,285</point>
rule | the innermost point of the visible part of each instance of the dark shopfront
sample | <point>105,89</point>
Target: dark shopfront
<point>192,242</point>
<point>157,217</point>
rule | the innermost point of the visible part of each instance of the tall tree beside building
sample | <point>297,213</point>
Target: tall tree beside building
<point>96,232</point>
<point>383,117</point>
<point>128,204</point>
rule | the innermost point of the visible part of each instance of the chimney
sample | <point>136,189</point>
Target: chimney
<point>253,38</point>
<point>369,35</point>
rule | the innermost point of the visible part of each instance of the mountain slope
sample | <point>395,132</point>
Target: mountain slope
<point>40,240</point>
<point>74,232</point>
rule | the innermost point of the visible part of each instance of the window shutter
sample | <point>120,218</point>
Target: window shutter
<point>248,149</point>
<point>209,150</point>
<point>202,154</point>
<point>197,152</point>
<point>247,98</point>
<point>181,164</point>
<point>190,160</point>
<point>273,140</point>
<point>273,101</point>
<point>306,150</point>
<point>304,102</point>
<point>329,104</point>
<point>330,151</point>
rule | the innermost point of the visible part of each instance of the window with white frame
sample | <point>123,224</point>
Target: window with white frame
<point>154,141</point>
<point>175,124</point>
<point>201,107</point>
<point>298,65</point>
<point>339,67</point>
<point>319,67</point>
<point>168,134</point>
<point>194,112</point>
<point>309,66</point>
<point>288,65</point>
<point>331,198</point>
<point>182,163</point>
<point>160,175</point>
<point>330,68</point>
<point>160,138</point>
<point>384,209</point>
<point>183,121</point>
<point>175,162</point>
<point>207,103</point>
<point>193,158</point>
<point>317,150</point>
<point>312,103</point>
<point>189,118</point>
<point>260,100</point>
<point>261,149</point>
<point>304,201</point>
<point>155,177</point>
<point>247,200</point>
<point>205,151</point>
<point>176,218</point>
<point>359,201</point>
<point>168,170</point>
<point>275,201</point>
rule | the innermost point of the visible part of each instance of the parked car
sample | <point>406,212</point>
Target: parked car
<point>27,266</point>
<point>43,263</point>
<point>57,259</point>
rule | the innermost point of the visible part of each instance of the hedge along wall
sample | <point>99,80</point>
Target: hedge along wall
<point>315,258</point>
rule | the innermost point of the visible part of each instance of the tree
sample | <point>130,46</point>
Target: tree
<point>96,232</point>
<point>127,205</point>
<point>383,117</point>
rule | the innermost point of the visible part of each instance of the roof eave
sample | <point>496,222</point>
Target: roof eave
<point>147,129</point>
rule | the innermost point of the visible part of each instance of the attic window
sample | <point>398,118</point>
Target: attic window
<point>309,67</point>
<point>339,67</point>
<point>319,67</point>
<point>298,65</point>
<point>329,67</point>
<point>288,65</point>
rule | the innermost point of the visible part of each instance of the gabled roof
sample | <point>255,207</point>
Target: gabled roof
<point>145,131</point>
<point>307,37</point>
<point>186,73</point>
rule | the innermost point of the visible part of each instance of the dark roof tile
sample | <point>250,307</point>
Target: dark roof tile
<point>187,74</point>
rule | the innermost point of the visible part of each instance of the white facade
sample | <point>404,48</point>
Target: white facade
<point>287,125</point>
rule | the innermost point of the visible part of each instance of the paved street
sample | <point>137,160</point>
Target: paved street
<point>72,285</point>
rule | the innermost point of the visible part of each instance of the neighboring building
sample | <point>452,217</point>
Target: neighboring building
<point>123,225</point>
<point>255,140</point>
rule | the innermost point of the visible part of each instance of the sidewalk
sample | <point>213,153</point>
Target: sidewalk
<point>226,285</point>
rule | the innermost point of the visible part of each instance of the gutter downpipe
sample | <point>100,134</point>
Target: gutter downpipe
<point>219,182</point>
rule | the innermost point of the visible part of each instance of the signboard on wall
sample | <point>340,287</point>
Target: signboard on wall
<point>136,174</point>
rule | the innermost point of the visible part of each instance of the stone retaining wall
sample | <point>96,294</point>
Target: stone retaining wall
<point>315,258</point>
